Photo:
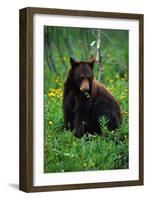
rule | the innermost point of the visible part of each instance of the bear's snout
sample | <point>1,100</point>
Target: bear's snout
<point>85,85</point>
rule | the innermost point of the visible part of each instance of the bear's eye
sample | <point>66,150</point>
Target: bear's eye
<point>89,78</point>
<point>81,78</point>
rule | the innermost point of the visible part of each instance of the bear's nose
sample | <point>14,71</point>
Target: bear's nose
<point>85,90</point>
<point>84,85</point>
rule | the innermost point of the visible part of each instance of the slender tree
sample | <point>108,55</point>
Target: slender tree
<point>58,42</point>
<point>48,52</point>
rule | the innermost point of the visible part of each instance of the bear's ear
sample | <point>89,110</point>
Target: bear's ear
<point>91,63</point>
<point>73,62</point>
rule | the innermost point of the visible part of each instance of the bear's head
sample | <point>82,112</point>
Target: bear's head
<point>82,74</point>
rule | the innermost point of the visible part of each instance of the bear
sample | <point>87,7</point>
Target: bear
<point>85,100</point>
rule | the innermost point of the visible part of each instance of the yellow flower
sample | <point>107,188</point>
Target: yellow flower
<point>122,97</point>
<point>55,92</point>
<point>50,122</point>
<point>52,89</point>
<point>84,164</point>
<point>109,89</point>
<point>51,94</point>
<point>55,80</point>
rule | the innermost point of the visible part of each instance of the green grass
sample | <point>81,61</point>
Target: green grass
<point>62,151</point>
<point>65,153</point>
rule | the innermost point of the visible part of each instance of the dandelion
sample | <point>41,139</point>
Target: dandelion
<point>122,97</point>
<point>51,94</point>
<point>84,164</point>
<point>50,122</point>
<point>53,90</point>
<point>56,80</point>
<point>109,89</point>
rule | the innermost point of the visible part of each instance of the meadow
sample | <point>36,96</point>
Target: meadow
<point>62,151</point>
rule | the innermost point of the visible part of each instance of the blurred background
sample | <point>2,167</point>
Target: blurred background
<point>109,47</point>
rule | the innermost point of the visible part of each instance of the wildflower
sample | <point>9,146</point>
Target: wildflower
<point>50,122</point>
<point>109,89</point>
<point>56,80</point>
<point>126,137</point>
<point>51,94</point>
<point>52,90</point>
<point>122,97</point>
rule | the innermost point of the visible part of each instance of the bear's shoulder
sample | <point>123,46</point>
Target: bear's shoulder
<point>98,88</point>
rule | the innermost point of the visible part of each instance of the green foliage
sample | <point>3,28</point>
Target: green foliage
<point>62,151</point>
<point>103,122</point>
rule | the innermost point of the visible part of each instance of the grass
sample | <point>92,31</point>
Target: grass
<point>62,151</point>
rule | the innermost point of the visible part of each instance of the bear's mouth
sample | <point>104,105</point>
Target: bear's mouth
<point>86,94</point>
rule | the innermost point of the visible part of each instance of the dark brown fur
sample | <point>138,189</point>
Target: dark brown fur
<point>81,111</point>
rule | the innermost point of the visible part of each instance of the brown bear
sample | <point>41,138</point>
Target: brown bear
<point>85,100</point>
